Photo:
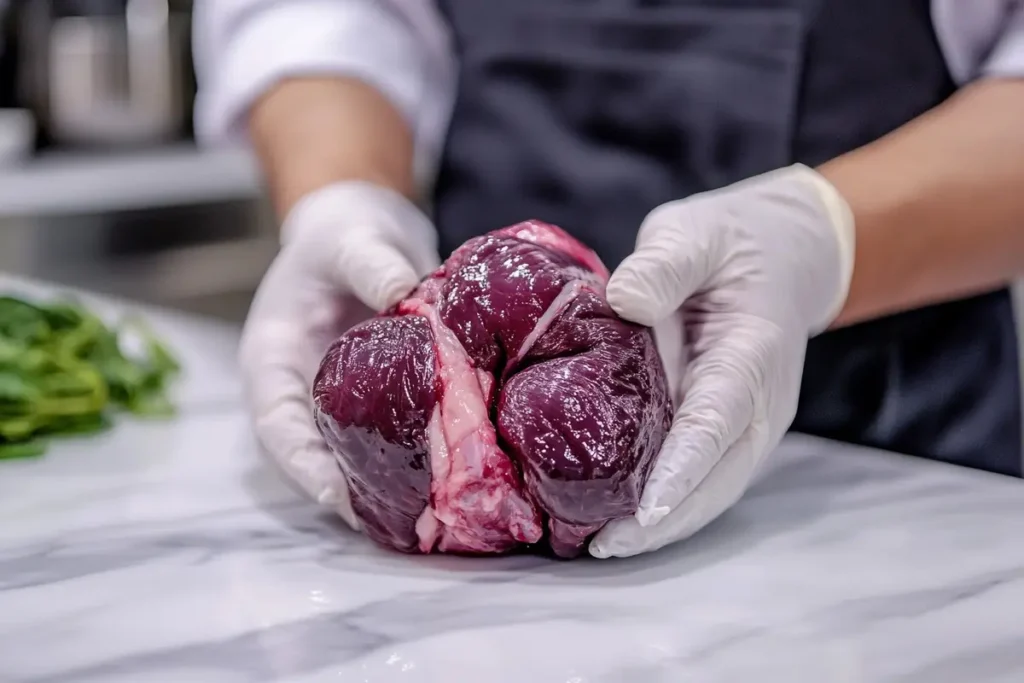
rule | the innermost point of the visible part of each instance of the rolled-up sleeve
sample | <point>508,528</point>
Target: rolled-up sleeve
<point>981,38</point>
<point>243,47</point>
<point>1007,56</point>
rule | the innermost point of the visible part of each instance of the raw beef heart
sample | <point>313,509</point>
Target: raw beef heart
<point>501,397</point>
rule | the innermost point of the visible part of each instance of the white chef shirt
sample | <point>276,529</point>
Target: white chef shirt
<point>402,47</point>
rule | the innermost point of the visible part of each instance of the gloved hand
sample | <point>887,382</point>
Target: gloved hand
<point>347,250</point>
<point>750,272</point>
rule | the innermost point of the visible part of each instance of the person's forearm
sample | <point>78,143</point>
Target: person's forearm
<point>938,204</point>
<point>311,132</point>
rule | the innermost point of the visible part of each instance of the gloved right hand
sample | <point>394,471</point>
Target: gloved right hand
<point>348,250</point>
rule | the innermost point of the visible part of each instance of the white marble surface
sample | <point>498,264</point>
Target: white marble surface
<point>168,552</point>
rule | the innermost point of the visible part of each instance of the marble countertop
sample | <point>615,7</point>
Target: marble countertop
<point>168,552</point>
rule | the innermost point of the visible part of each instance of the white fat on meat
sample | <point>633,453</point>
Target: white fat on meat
<point>462,441</point>
<point>462,445</point>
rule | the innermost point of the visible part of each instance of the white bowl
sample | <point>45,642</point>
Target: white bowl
<point>17,135</point>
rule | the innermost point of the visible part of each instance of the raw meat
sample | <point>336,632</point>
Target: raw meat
<point>501,404</point>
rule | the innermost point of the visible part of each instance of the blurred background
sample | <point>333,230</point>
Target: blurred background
<point>101,183</point>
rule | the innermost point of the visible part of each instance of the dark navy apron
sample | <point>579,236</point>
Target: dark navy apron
<point>591,113</point>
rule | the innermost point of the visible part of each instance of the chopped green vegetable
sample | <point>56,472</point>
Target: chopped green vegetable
<point>62,372</point>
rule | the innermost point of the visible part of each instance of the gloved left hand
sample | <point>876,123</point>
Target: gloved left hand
<point>348,249</point>
<point>750,271</point>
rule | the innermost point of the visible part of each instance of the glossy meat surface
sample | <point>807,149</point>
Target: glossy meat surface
<point>502,404</point>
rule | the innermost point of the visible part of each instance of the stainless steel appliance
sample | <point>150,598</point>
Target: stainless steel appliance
<point>106,72</point>
<point>7,62</point>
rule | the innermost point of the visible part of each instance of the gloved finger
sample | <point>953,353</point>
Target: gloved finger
<point>673,258</point>
<point>279,400</point>
<point>719,491</point>
<point>376,273</point>
<point>670,340</point>
<point>345,313</point>
<point>719,404</point>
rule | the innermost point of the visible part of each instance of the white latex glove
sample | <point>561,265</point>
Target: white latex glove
<point>347,250</point>
<point>751,271</point>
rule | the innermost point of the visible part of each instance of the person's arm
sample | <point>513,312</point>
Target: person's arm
<point>311,132</point>
<point>324,90</point>
<point>938,204</point>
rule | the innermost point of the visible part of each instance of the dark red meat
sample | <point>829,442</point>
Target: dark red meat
<point>502,403</point>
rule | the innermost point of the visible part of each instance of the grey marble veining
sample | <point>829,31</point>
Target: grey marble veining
<point>169,552</point>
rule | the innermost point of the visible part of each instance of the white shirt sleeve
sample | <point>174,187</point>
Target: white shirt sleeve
<point>1007,56</point>
<point>981,38</point>
<point>401,47</point>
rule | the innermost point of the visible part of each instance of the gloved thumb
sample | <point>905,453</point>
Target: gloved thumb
<point>375,272</point>
<point>671,261</point>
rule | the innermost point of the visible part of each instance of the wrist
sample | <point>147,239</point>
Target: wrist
<point>310,133</point>
<point>806,229</point>
<point>312,181</point>
<point>838,221</point>
<point>346,203</point>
